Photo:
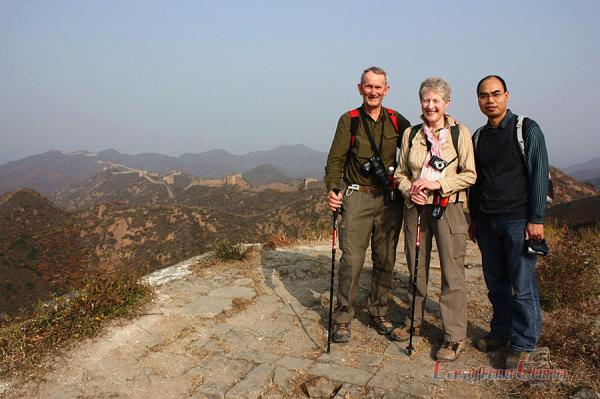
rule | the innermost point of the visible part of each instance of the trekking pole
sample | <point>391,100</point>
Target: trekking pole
<point>333,248</point>
<point>410,348</point>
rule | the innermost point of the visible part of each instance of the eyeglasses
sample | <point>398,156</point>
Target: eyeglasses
<point>485,96</point>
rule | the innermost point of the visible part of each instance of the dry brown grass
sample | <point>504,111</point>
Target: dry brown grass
<point>26,340</point>
<point>569,283</point>
<point>278,240</point>
<point>569,277</point>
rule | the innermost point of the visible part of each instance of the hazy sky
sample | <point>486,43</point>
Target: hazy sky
<point>189,76</point>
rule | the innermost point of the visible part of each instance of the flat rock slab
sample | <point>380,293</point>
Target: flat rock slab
<point>321,387</point>
<point>257,328</point>
<point>340,373</point>
<point>253,384</point>
<point>207,306</point>
<point>233,292</point>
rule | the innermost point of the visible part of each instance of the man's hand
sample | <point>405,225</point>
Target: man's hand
<point>534,231</point>
<point>424,185</point>
<point>472,231</point>
<point>419,198</point>
<point>334,201</point>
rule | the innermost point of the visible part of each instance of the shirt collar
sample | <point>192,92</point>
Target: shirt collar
<point>381,114</point>
<point>447,122</point>
<point>504,121</point>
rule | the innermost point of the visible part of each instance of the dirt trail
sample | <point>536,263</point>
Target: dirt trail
<point>258,329</point>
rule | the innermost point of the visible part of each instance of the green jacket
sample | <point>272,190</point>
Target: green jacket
<point>345,162</point>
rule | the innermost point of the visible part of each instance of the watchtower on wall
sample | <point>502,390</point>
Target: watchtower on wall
<point>236,180</point>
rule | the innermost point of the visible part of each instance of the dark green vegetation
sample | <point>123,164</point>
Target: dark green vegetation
<point>226,251</point>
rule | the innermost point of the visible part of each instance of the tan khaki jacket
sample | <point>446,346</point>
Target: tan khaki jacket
<point>459,175</point>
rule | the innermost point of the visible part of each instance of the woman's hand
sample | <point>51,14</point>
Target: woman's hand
<point>424,185</point>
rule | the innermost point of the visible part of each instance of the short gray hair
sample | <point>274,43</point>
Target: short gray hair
<point>436,84</point>
<point>374,69</point>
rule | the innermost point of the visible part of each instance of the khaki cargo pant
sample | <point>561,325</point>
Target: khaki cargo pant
<point>450,235</point>
<point>367,219</point>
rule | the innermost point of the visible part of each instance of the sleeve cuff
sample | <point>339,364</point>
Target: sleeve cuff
<point>445,187</point>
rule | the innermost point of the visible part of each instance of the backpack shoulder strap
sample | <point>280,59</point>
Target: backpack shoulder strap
<point>455,132</point>
<point>393,118</point>
<point>354,122</point>
<point>520,135</point>
<point>476,138</point>
<point>413,133</point>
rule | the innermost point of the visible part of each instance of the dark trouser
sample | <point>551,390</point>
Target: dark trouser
<point>510,278</point>
<point>367,219</point>
<point>450,236</point>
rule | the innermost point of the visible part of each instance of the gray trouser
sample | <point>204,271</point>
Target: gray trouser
<point>450,235</point>
<point>367,219</point>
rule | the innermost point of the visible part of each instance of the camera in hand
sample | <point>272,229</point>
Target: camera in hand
<point>536,247</point>
<point>374,165</point>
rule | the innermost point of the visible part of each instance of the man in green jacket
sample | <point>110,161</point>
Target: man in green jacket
<point>368,215</point>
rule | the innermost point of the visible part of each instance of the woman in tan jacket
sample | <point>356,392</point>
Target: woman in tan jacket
<point>436,163</point>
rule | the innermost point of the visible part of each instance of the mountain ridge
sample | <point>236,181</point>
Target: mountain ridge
<point>53,170</point>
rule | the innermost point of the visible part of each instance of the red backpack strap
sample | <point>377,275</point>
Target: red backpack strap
<point>393,118</point>
<point>354,121</point>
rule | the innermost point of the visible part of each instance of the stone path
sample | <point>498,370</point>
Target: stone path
<point>257,328</point>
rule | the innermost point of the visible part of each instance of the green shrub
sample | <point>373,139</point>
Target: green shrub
<point>227,251</point>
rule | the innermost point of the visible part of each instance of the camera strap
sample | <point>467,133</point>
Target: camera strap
<point>363,117</point>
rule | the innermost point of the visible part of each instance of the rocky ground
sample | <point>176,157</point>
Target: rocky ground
<point>258,328</point>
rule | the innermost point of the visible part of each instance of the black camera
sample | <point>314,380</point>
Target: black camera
<point>375,166</point>
<point>536,247</point>
<point>438,163</point>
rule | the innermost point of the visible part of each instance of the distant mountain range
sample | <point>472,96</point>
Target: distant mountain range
<point>295,161</point>
<point>588,171</point>
<point>54,170</point>
<point>48,172</point>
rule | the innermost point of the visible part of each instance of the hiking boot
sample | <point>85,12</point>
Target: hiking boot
<point>382,324</point>
<point>341,332</point>
<point>450,351</point>
<point>490,343</point>
<point>514,357</point>
<point>402,333</point>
